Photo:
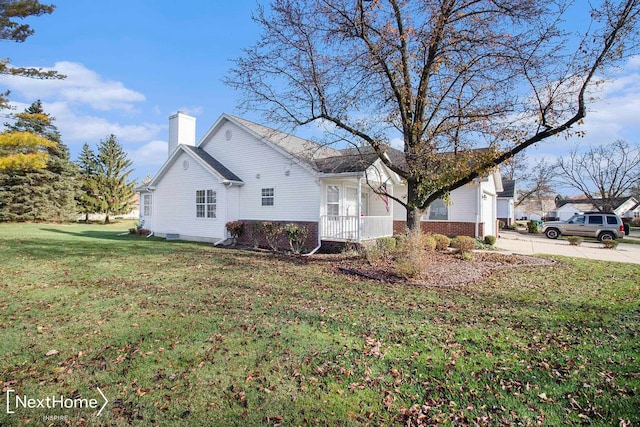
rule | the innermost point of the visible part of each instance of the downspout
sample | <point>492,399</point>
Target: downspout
<point>314,250</point>
<point>358,208</point>
<point>478,208</point>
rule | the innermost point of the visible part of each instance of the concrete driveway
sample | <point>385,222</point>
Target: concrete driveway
<point>529,244</point>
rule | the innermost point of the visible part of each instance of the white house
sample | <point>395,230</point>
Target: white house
<point>506,202</point>
<point>625,207</point>
<point>243,171</point>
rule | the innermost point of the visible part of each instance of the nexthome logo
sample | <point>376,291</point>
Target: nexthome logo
<point>17,401</point>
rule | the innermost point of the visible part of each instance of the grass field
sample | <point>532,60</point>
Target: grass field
<point>180,333</point>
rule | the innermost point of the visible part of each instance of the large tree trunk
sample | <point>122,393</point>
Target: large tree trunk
<point>413,213</point>
<point>106,218</point>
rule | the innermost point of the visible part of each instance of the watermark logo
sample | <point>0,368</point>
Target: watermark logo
<point>17,401</point>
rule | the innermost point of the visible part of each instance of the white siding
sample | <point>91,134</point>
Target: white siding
<point>505,208</point>
<point>463,206</point>
<point>297,194</point>
<point>174,202</point>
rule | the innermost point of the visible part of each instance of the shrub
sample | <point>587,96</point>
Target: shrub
<point>400,239</point>
<point>373,254</point>
<point>412,260</point>
<point>271,232</point>
<point>464,244</point>
<point>489,240</point>
<point>467,256</point>
<point>386,245</point>
<point>575,240</point>
<point>297,235</point>
<point>429,242</point>
<point>235,228</point>
<point>254,231</point>
<point>442,242</point>
<point>532,227</point>
<point>610,244</point>
<point>501,224</point>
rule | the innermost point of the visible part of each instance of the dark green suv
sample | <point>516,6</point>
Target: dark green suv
<point>603,226</point>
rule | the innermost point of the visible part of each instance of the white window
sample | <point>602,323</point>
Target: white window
<point>438,211</point>
<point>146,205</point>
<point>333,200</point>
<point>205,204</point>
<point>268,196</point>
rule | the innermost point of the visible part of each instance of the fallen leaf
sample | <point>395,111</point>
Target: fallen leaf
<point>51,353</point>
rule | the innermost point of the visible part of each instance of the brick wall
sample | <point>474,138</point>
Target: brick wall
<point>447,228</point>
<point>249,237</point>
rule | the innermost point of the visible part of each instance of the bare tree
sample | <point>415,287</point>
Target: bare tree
<point>515,168</point>
<point>603,174</point>
<point>539,183</point>
<point>448,75</point>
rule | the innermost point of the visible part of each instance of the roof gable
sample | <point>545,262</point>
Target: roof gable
<point>203,158</point>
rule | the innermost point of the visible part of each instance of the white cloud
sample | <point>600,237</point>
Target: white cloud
<point>153,153</point>
<point>81,127</point>
<point>192,111</point>
<point>81,86</point>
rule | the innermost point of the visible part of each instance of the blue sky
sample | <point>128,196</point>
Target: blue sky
<point>130,64</point>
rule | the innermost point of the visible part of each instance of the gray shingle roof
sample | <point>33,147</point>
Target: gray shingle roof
<point>215,165</point>
<point>509,186</point>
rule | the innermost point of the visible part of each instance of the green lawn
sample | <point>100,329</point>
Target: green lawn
<point>180,333</point>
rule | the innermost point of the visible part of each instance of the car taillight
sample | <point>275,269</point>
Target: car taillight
<point>622,227</point>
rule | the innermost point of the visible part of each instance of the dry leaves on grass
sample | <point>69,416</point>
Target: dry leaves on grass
<point>443,269</point>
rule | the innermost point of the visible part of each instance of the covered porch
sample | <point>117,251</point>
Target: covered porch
<point>352,211</point>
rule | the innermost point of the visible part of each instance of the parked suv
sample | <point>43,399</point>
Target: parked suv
<point>603,226</point>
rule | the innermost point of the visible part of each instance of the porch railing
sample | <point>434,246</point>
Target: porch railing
<point>355,228</point>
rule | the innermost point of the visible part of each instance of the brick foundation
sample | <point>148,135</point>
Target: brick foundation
<point>250,238</point>
<point>447,228</point>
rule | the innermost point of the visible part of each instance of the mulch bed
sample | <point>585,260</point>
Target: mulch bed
<point>444,269</point>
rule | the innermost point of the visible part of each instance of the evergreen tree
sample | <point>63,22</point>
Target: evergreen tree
<point>114,190</point>
<point>87,170</point>
<point>38,194</point>
<point>13,28</point>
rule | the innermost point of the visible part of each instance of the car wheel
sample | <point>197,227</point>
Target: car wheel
<point>552,233</point>
<point>606,235</point>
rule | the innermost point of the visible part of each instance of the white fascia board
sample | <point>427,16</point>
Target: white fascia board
<point>172,160</point>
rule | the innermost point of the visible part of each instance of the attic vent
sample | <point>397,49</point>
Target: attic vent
<point>185,164</point>
<point>228,134</point>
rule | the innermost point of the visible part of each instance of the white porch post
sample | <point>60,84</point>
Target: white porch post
<point>358,208</point>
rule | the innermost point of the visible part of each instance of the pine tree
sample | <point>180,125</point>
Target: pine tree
<point>13,28</point>
<point>38,194</point>
<point>87,169</point>
<point>114,190</point>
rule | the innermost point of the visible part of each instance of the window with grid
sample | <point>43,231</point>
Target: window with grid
<point>146,205</point>
<point>438,211</point>
<point>205,204</point>
<point>333,200</point>
<point>268,196</point>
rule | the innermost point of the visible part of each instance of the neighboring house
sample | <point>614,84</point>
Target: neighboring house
<point>634,212</point>
<point>243,171</point>
<point>535,208</point>
<point>506,202</point>
<point>625,207</point>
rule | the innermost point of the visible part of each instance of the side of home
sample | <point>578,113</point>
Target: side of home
<point>243,171</point>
